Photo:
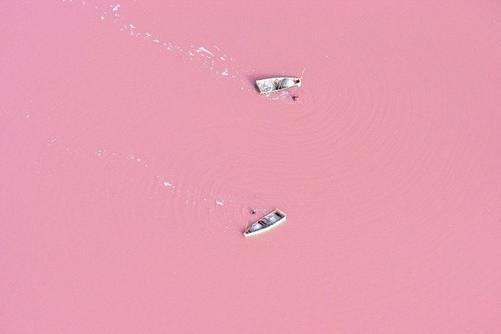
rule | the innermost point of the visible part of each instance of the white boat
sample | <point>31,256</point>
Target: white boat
<point>268,222</point>
<point>270,85</point>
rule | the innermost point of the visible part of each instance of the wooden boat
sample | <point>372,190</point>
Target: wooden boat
<point>270,85</point>
<point>271,220</point>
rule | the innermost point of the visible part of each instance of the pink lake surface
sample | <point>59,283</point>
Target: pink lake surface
<point>133,145</point>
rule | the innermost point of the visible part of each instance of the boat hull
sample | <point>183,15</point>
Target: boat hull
<point>267,223</point>
<point>271,85</point>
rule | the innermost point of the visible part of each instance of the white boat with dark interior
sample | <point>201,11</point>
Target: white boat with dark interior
<point>270,85</point>
<point>268,222</point>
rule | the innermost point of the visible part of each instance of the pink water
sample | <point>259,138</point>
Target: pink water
<point>133,146</point>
